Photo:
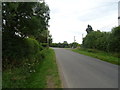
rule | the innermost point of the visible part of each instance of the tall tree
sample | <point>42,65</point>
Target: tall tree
<point>106,41</point>
<point>28,21</point>
<point>89,29</point>
<point>21,20</point>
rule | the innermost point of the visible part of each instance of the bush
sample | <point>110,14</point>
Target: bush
<point>31,47</point>
<point>19,50</point>
<point>114,40</point>
<point>44,44</point>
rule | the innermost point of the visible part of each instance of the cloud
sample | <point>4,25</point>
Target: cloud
<point>70,18</point>
<point>99,12</point>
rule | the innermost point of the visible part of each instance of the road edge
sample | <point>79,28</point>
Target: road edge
<point>62,78</point>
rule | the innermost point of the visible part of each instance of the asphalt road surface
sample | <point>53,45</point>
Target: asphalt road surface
<point>80,71</point>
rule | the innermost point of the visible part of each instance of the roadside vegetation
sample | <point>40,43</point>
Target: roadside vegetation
<point>43,74</point>
<point>102,55</point>
<point>26,60</point>
<point>102,45</point>
<point>65,44</point>
<point>105,41</point>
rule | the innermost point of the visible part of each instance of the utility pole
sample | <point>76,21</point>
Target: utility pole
<point>74,39</point>
<point>119,13</point>
<point>74,42</point>
<point>82,36</point>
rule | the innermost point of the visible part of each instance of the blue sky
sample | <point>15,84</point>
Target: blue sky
<point>70,18</point>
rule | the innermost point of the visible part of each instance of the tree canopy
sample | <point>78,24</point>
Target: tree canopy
<point>89,29</point>
<point>25,22</point>
<point>106,41</point>
<point>24,28</point>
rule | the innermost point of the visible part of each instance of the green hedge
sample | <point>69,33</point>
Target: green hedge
<point>18,50</point>
<point>106,41</point>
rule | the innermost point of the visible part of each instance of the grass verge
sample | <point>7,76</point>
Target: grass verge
<point>108,57</point>
<point>45,76</point>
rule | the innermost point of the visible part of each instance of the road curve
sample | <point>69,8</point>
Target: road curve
<point>80,71</point>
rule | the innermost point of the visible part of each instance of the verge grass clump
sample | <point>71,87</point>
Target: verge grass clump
<point>105,56</point>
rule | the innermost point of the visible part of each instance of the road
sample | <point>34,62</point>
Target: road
<point>80,71</point>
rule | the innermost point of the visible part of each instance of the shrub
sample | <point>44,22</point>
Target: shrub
<point>19,50</point>
<point>44,44</point>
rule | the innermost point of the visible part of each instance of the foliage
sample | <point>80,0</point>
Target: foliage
<point>23,30</point>
<point>74,45</point>
<point>28,21</point>
<point>108,57</point>
<point>45,37</point>
<point>25,77</point>
<point>90,40</point>
<point>106,41</point>
<point>65,45</point>
<point>44,44</point>
<point>50,39</point>
<point>16,53</point>
<point>89,29</point>
<point>19,77</point>
<point>114,40</point>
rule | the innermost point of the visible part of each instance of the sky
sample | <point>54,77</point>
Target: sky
<point>70,18</point>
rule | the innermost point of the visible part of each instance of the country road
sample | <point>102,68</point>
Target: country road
<point>80,71</point>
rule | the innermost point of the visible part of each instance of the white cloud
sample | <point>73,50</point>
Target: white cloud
<point>70,18</point>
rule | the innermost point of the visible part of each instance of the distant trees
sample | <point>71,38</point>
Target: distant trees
<point>106,41</point>
<point>50,39</point>
<point>65,45</point>
<point>60,45</point>
<point>74,45</point>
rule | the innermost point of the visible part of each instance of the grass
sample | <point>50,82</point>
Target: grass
<point>45,76</point>
<point>108,57</point>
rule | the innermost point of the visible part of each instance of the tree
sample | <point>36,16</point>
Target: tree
<point>106,41</point>
<point>22,21</point>
<point>89,29</point>
<point>65,44</point>
<point>114,40</point>
<point>25,22</point>
<point>75,45</point>
<point>50,39</point>
<point>90,41</point>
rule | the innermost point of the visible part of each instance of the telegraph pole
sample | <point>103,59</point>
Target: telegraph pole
<point>74,42</point>
<point>119,13</point>
<point>82,36</point>
<point>74,39</point>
